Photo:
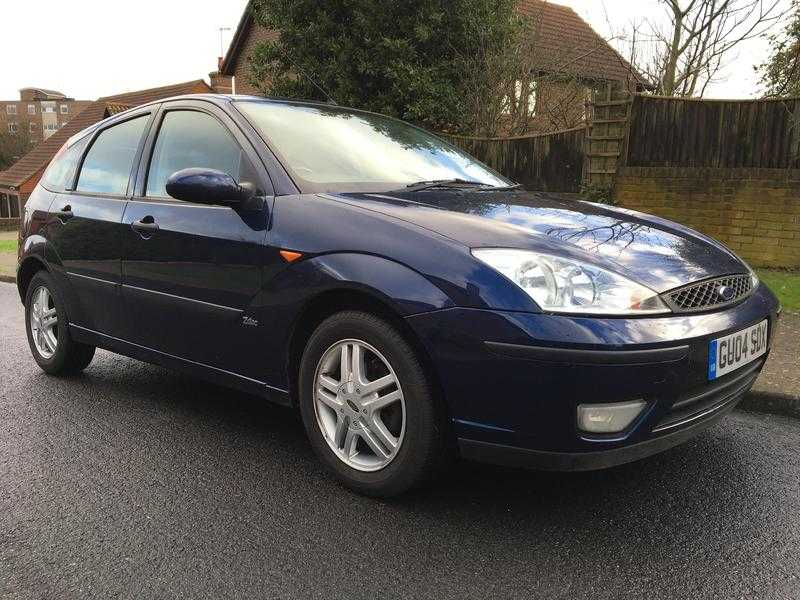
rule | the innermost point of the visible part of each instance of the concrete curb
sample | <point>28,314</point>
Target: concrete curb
<point>771,403</point>
<point>8,279</point>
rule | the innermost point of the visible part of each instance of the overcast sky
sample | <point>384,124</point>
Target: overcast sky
<point>97,48</point>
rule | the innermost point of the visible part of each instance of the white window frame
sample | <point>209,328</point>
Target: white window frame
<point>33,127</point>
<point>31,109</point>
<point>13,128</point>
<point>64,108</point>
<point>11,109</point>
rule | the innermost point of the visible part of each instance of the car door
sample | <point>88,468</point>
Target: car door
<point>190,271</point>
<point>91,182</point>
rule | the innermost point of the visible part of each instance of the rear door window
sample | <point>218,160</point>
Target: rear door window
<point>107,166</point>
<point>59,175</point>
<point>192,139</point>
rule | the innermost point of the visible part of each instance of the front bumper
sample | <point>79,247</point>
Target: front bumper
<point>513,381</point>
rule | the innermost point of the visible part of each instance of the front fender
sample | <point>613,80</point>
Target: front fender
<point>397,285</point>
<point>288,294</point>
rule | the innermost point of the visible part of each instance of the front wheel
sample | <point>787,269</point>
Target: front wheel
<point>368,407</point>
<point>52,347</point>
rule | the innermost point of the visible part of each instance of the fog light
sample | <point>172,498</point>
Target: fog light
<point>609,418</point>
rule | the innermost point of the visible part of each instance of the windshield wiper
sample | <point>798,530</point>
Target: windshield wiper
<point>443,183</point>
<point>504,188</point>
<point>458,184</point>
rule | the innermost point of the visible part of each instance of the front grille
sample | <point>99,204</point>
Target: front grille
<point>713,293</point>
<point>710,398</point>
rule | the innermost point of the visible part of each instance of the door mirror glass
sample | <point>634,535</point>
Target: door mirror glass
<point>207,186</point>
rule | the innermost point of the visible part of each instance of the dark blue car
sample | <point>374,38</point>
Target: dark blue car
<point>413,304</point>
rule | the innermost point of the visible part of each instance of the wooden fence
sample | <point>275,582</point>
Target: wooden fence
<point>550,162</point>
<point>672,132</point>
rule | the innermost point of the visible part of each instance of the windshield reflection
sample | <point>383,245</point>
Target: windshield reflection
<point>328,148</point>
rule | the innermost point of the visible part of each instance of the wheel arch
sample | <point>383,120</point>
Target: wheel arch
<point>331,302</point>
<point>30,265</point>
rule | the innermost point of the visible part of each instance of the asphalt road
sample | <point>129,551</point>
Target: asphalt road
<point>134,482</point>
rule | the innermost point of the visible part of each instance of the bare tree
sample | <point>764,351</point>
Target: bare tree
<point>516,88</point>
<point>683,57</point>
<point>501,93</point>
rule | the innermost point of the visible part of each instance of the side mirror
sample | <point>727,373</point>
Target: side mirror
<point>207,186</point>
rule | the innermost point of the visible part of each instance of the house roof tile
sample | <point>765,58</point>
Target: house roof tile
<point>565,43</point>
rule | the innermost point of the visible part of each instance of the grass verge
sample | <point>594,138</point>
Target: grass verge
<point>785,284</point>
<point>8,255</point>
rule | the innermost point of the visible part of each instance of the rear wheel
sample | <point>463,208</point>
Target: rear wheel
<point>52,347</point>
<point>368,407</point>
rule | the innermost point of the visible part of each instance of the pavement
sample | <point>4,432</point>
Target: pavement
<point>781,375</point>
<point>134,482</point>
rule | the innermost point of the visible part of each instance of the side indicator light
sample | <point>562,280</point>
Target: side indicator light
<point>290,256</point>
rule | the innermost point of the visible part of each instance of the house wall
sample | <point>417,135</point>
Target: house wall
<point>755,212</point>
<point>242,74</point>
<point>220,83</point>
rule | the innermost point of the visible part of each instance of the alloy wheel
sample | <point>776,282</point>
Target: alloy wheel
<point>44,323</point>
<point>359,405</point>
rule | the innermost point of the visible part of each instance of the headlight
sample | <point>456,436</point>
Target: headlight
<point>568,286</point>
<point>754,281</point>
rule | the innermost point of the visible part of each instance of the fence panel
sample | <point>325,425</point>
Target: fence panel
<point>674,132</point>
<point>549,162</point>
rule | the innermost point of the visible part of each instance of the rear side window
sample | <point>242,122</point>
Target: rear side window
<point>60,173</point>
<point>107,166</point>
<point>192,139</point>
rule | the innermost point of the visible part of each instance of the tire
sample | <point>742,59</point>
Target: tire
<point>419,432</point>
<point>68,357</point>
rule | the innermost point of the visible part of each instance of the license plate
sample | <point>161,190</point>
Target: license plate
<point>728,353</point>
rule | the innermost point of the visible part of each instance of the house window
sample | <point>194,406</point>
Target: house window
<point>524,101</point>
<point>11,109</point>
<point>12,128</point>
<point>64,109</point>
<point>49,109</point>
<point>32,127</point>
<point>31,109</point>
<point>9,206</point>
<point>51,127</point>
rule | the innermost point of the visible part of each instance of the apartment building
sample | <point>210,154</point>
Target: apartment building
<point>38,113</point>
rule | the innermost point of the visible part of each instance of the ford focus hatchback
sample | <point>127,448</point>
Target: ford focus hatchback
<point>411,303</point>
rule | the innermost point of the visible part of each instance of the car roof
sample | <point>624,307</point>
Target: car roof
<point>227,98</point>
<point>219,100</point>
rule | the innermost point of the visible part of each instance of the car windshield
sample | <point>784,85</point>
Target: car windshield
<point>328,148</point>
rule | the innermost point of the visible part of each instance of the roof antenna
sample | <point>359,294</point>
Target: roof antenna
<point>318,86</point>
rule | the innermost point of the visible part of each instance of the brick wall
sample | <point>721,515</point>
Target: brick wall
<point>755,212</point>
<point>242,73</point>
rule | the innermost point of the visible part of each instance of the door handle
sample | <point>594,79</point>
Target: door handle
<point>145,226</point>
<point>65,213</point>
